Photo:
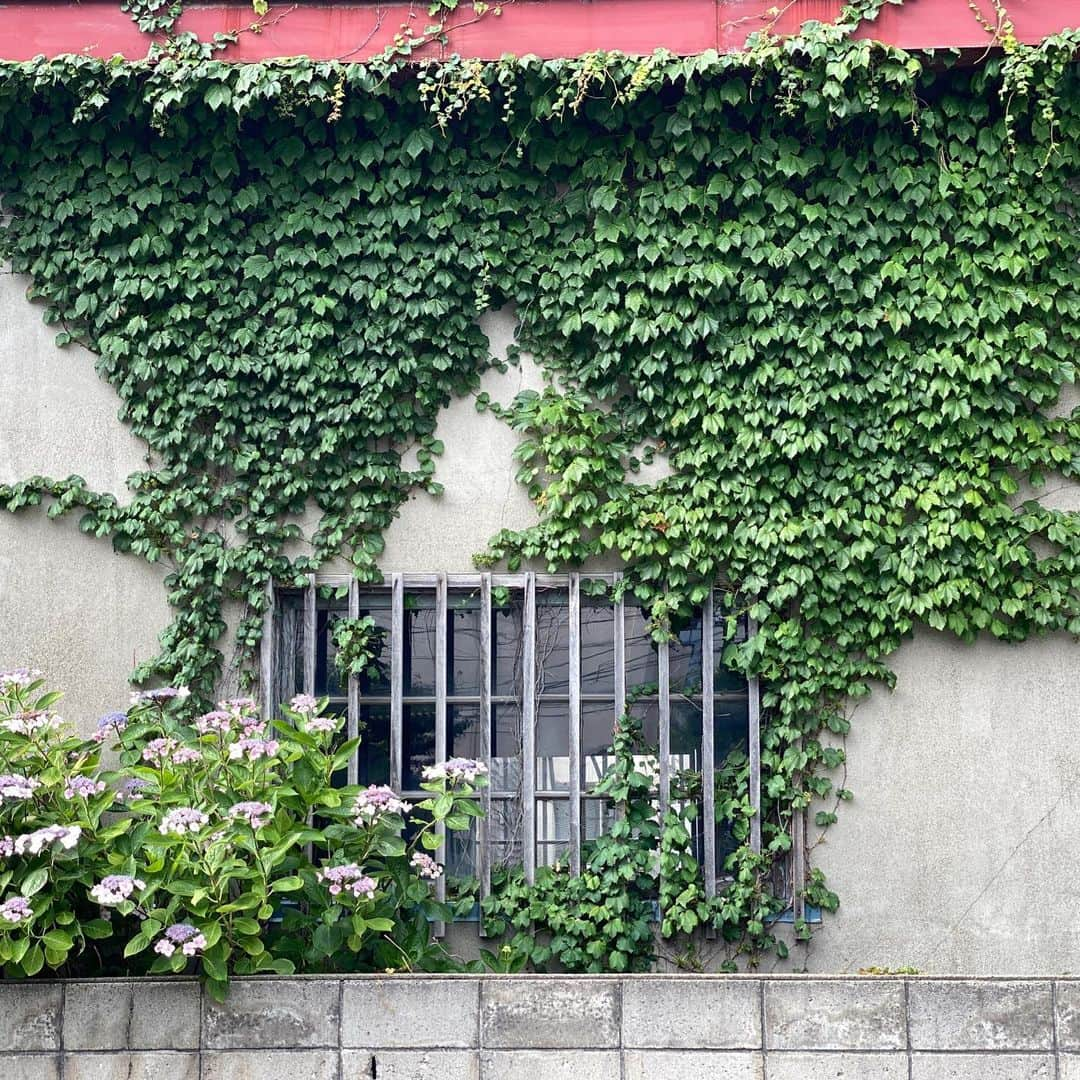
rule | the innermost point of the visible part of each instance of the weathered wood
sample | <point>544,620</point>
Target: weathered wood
<point>528,730</point>
<point>267,665</point>
<point>353,721</point>
<point>440,722</point>
<point>311,624</point>
<point>708,749</point>
<point>397,678</point>
<point>574,719</point>
<point>482,824</point>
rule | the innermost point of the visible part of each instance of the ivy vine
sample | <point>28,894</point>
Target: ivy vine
<point>833,282</point>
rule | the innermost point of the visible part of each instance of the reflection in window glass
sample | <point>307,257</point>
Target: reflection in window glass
<point>463,731</point>
<point>505,829</point>
<point>685,735</point>
<point>552,831</point>
<point>506,664</point>
<point>418,738</point>
<point>597,721</point>
<point>552,747</point>
<point>506,747</point>
<point>374,751</point>
<point>377,605</point>
<point>552,642</point>
<point>597,647</point>
<point>731,722</point>
<point>642,668</point>
<point>463,660</point>
<point>419,644</point>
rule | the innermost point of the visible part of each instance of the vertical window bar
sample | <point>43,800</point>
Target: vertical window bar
<point>574,720</point>
<point>620,652</point>
<point>397,676</point>
<point>665,729</point>
<point>311,625</point>
<point>440,722</point>
<point>708,751</point>
<point>353,722</point>
<point>266,656</point>
<point>528,730</point>
<point>798,863</point>
<point>754,736</point>
<point>483,847</point>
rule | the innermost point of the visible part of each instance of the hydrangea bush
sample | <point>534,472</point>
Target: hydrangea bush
<point>219,842</point>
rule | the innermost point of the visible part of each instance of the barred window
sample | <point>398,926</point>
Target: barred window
<point>529,673</point>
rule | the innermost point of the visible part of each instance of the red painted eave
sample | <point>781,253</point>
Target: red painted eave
<point>548,28</point>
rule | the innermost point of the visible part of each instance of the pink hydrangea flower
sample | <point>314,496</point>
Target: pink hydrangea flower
<point>159,751</point>
<point>218,722</point>
<point>30,723</point>
<point>375,800</point>
<point>15,787</point>
<point>34,843</point>
<point>115,889</point>
<point>463,769</point>
<point>257,813</point>
<point>15,910</point>
<point>304,703</point>
<point>83,787</point>
<point>7,847</point>
<point>181,820</point>
<point>185,755</point>
<point>18,677</point>
<point>426,866</point>
<point>322,723</point>
<point>182,935</point>
<point>253,749</point>
<point>350,879</point>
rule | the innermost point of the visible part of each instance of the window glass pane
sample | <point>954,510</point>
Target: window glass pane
<point>552,831</point>
<point>597,720</point>
<point>505,829</point>
<point>463,731</point>
<point>463,660</point>
<point>326,674</point>
<point>648,713</point>
<point>373,755</point>
<point>685,735</point>
<point>418,737</point>
<point>552,642</point>
<point>289,646</point>
<point>419,659</point>
<point>507,661</point>
<point>552,747</point>
<point>731,727</point>
<point>506,748</point>
<point>641,663</point>
<point>684,657</point>
<point>725,681</point>
<point>597,646</point>
<point>462,863</point>
<point>597,817</point>
<point>377,604</point>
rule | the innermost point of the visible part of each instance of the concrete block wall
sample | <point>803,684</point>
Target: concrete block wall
<point>544,1028</point>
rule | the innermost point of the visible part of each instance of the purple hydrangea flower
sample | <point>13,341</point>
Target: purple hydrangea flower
<point>131,789</point>
<point>219,721</point>
<point>253,749</point>
<point>7,847</point>
<point>162,693</point>
<point>18,677</point>
<point>425,865</point>
<point>181,820</point>
<point>257,813</point>
<point>115,889</point>
<point>350,879</point>
<point>184,935</point>
<point>375,800</point>
<point>16,787</point>
<point>110,722</point>
<point>463,769</point>
<point>34,843</point>
<point>83,787</point>
<point>158,751</point>
<point>15,910</point>
<point>185,755</point>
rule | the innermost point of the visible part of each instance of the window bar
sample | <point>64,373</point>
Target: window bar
<point>266,655</point>
<point>440,724</point>
<point>574,720</point>
<point>311,623</point>
<point>528,730</point>
<point>483,850</point>
<point>397,676</point>
<point>620,652</point>
<point>665,729</point>
<point>353,721</point>
<point>754,736</point>
<point>708,750</point>
<point>798,864</point>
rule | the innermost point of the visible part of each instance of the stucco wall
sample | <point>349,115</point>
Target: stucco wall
<point>529,1028</point>
<point>960,852</point>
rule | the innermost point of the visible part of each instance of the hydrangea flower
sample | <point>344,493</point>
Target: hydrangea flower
<point>16,787</point>
<point>219,721</point>
<point>131,789</point>
<point>181,820</point>
<point>321,723</point>
<point>161,693</point>
<point>253,749</point>
<point>34,843</point>
<point>115,889</point>
<point>375,800</point>
<point>238,705</point>
<point>182,935</point>
<point>257,813</point>
<point>349,878</point>
<point>304,703</point>
<point>7,847</point>
<point>425,865</point>
<point>185,755</point>
<point>158,751</point>
<point>464,769</point>
<point>15,910</point>
<point>83,787</point>
<point>109,723</point>
<point>29,723</point>
<point>18,677</point>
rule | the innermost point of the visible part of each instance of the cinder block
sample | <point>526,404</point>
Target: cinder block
<point>410,1012</point>
<point>143,1065</point>
<point>549,1013</point>
<point>30,1066</point>
<point>796,1065</point>
<point>989,1066</point>
<point>1068,1015</point>
<point>692,1065</point>
<point>265,1013</point>
<point>834,1014</point>
<point>549,1065</point>
<point>269,1065</point>
<point>147,1015</point>
<point>698,1014</point>
<point>410,1065</point>
<point>29,1016</point>
<point>980,1015</point>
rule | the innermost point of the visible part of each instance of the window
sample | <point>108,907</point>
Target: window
<point>529,673</point>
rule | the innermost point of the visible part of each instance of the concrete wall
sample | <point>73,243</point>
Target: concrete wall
<point>535,1028</point>
<point>960,852</point>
